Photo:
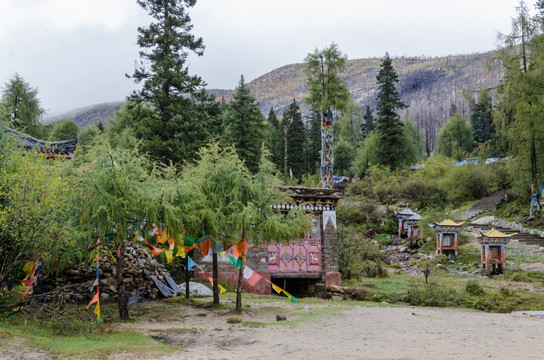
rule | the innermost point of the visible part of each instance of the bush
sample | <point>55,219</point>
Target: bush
<point>384,239</point>
<point>433,295</point>
<point>373,269</point>
<point>473,287</point>
<point>353,250</point>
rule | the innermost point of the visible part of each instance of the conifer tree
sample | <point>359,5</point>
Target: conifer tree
<point>389,126</point>
<point>273,136</point>
<point>294,135</point>
<point>482,118</point>
<point>313,134</point>
<point>455,138</point>
<point>243,123</point>
<point>176,131</point>
<point>367,125</point>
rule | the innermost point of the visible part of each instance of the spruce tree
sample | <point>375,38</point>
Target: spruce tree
<point>272,138</point>
<point>482,118</point>
<point>389,126</point>
<point>367,125</point>
<point>176,131</point>
<point>314,140</point>
<point>243,123</point>
<point>295,134</point>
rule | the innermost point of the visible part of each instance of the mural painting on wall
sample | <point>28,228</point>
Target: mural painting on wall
<point>299,255</point>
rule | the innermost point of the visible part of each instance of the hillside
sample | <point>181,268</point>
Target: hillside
<point>92,114</point>
<point>432,87</point>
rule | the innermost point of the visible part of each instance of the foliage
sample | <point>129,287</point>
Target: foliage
<point>455,138</point>
<point>243,123</point>
<point>114,194</point>
<point>86,138</point>
<point>176,128</point>
<point>229,204</point>
<point>33,218</point>
<point>354,249</point>
<point>313,139</point>
<point>389,151</point>
<point>64,130</point>
<point>326,89</point>
<point>433,295</point>
<point>473,287</point>
<point>343,158</point>
<point>521,105</point>
<point>410,146</point>
<point>20,106</point>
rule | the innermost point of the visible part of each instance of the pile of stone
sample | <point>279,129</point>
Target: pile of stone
<point>144,277</point>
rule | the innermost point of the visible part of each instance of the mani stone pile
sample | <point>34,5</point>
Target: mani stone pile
<point>144,278</point>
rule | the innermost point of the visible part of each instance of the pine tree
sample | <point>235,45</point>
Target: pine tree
<point>313,157</point>
<point>367,125</point>
<point>177,130</point>
<point>243,123</point>
<point>389,126</point>
<point>482,118</point>
<point>295,135</point>
<point>272,138</point>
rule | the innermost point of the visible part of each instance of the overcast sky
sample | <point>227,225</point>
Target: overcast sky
<point>76,52</point>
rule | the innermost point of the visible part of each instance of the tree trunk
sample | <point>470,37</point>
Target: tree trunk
<point>120,276</point>
<point>215,277</point>
<point>239,286</point>
<point>186,276</point>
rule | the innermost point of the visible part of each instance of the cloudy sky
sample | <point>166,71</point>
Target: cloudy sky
<point>76,52</point>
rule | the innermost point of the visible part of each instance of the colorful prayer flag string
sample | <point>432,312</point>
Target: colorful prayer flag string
<point>96,287</point>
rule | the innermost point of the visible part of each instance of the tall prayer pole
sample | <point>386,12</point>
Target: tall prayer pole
<point>327,142</point>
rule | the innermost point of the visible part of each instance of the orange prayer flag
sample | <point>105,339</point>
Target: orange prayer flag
<point>156,251</point>
<point>171,244</point>
<point>94,299</point>
<point>189,248</point>
<point>205,246</point>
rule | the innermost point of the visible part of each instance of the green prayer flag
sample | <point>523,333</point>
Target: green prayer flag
<point>189,241</point>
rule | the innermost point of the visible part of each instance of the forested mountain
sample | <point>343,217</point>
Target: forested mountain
<point>433,88</point>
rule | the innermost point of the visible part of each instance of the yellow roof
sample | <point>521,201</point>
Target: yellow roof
<point>495,234</point>
<point>448,222</point>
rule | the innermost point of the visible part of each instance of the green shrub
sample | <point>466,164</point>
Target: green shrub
<point>385,239</point>
<point>353,249</point>
<point>433,295</point>
<point>473,287</point>
<point>373,269</point>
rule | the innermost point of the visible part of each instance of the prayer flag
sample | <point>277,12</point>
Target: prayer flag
<point>251,276</point>
<point>95,284</point>
<point>276,288</point>
<point>156,251</point>
<point>169,255</point>
<point>189,248</point>
<point>171,244</point>
<point>291,297</point>
<point>189,241</point>
<point>205,247</point>
<point>97,312</point>
<point>236,262</point>
<point>190,263</point>
<point>95,298</point>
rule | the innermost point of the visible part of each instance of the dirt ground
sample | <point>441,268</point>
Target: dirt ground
<point>354,332</point>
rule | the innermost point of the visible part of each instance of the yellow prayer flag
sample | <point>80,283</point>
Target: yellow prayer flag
<point>169,256</point>
<point>276,288</point>
<point>97,310</point>
<point>222,290</point>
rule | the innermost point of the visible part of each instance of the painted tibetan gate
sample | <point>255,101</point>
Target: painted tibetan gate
<point>298,255</point>
<point>315,256</point>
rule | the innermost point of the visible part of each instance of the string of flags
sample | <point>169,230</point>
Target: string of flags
<point>239,250</point>
<point>96,287</point>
